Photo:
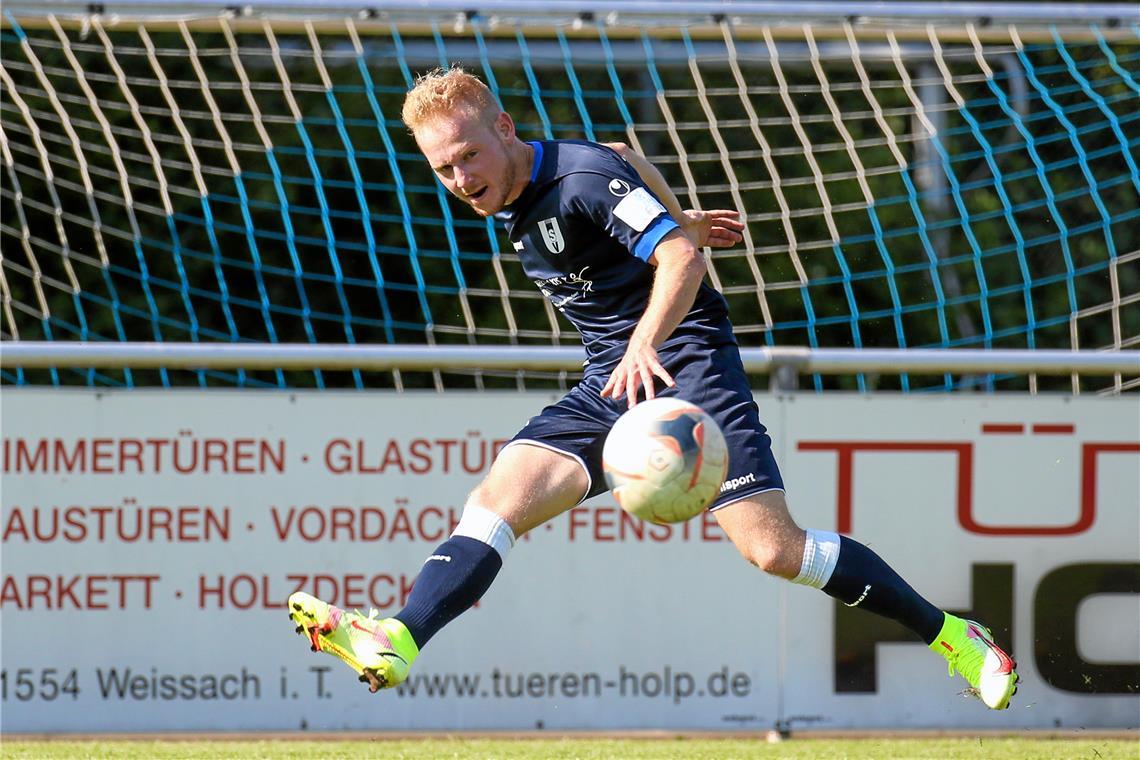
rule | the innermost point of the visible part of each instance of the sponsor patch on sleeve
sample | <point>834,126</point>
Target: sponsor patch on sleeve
<point>638,209</point>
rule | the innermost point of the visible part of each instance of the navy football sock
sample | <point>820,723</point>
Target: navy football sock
<point>861,578</point>
<point>450,582</point>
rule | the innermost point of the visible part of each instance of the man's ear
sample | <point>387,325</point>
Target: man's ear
<point>505,126</point>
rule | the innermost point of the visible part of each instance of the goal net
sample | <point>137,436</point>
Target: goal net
<point>243,176</point>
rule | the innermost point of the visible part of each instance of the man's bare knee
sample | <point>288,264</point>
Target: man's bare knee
<point>487,496</point>
<point>772,558</point>
<point>481,495</point>
<point>765,534</point>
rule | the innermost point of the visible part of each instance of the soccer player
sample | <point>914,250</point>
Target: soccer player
<point>601,246</point>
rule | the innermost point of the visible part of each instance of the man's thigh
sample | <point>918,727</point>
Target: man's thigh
<point>575,426</point>
<point>530,484</point>
<point>763,531</point>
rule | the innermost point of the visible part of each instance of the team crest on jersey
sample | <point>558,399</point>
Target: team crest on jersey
<point>552,235</point>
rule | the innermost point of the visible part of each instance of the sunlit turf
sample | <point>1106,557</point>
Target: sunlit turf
<point>1089,747</point>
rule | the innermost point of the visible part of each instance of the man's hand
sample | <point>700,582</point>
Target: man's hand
<point>637,368</point>
<point>719,228</point>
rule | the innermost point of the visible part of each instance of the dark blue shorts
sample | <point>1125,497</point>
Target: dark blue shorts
<point>712,377</point>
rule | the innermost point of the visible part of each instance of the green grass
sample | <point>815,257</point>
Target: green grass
<point>438,748</point>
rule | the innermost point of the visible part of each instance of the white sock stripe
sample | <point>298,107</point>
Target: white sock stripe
<point>821,552</point>
<point>805,562</point>
<point>484,525</point>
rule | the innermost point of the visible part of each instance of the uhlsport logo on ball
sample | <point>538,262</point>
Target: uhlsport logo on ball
<point>665,460</point>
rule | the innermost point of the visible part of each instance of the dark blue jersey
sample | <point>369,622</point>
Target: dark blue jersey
<point>584,228</point>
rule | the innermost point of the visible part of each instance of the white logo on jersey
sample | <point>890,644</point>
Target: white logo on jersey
<point>552,235</point>
<point>575,280</point>
<point>519,245</point>
<point>619,187</point>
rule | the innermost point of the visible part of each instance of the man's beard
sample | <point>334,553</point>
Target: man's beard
<point>507,183</point>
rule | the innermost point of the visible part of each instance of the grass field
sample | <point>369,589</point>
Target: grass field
<point>1090,747</point>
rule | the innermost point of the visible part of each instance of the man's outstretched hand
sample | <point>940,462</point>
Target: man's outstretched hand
<point>718,228</point>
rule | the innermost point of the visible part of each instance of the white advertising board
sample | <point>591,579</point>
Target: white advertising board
<point>150,539</point>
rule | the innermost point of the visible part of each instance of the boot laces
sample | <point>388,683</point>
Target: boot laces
<point>968,660</point>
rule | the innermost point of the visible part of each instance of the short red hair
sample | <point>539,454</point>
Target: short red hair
<point>449,91</point>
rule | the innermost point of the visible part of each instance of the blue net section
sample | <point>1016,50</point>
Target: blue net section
<point>221,185</point>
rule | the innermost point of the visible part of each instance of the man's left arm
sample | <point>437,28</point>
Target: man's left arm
<point>679,271</point>
<point>718,228</point>
<point>680,267</point>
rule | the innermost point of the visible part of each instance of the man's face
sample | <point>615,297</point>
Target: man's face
<point>471,159</point>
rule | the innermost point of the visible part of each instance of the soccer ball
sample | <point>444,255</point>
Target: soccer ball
<point>665,460</point>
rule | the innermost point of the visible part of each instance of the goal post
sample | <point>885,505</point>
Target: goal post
<point>233,179</point>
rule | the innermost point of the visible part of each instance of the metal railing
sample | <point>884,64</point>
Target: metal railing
<point>499,17</point>
<point>803,10</point>
<point>771,360</point>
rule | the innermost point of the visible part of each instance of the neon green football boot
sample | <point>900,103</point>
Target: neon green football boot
<point>969,648</point>
<point>380,650</point>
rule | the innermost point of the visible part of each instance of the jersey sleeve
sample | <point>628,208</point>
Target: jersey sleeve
<point>622,206</point>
